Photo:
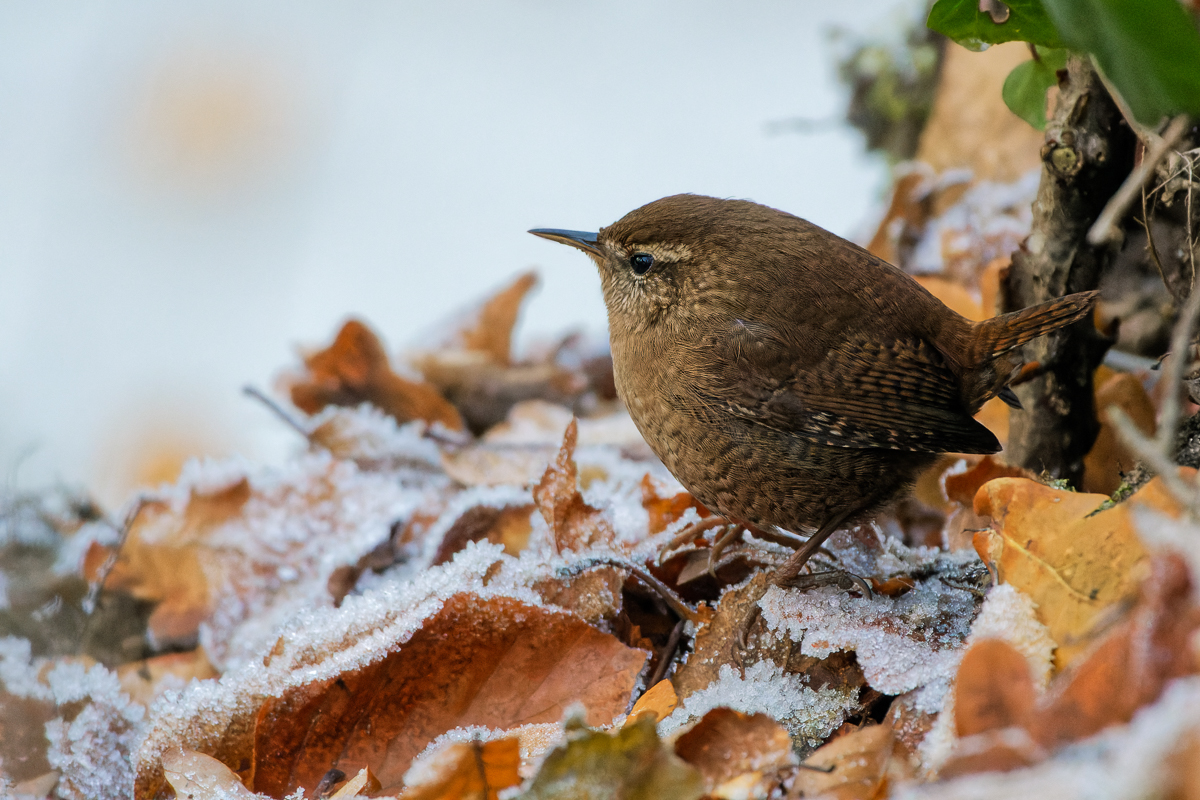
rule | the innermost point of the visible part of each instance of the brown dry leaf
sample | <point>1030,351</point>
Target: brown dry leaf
<point>146,679</point>
<point>493,662</point>
<point>461,771</point>
<point>970,126</point>
<point>963,523</point>
<point>168,567</point>
<point>593,595</point>
<point>489,328</point>
<point>195,776</point>
<point>1074,564</point>
<point>23,736</point>
<point>1109,456</point>
<point>658,702</point>
<point>355,369</point>
<point>574,524</point>
<point>859,765</point>
<point>665,510</point>
<point>508,526</point>
<point>628,764</point>
<point>1130,666</point>
<point>909,210</point>
<point>993,689</point>
<point>726,743</point>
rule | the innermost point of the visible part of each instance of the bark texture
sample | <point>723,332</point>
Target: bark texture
<point>1088,152</point>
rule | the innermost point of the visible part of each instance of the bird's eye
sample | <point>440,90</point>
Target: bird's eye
<point>641,262</point>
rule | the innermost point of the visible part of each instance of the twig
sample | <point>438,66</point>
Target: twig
<point>668,654</point>
<point>1147,450</point>
<point>278,410</point>
<point>674,601</point>
<point>1181,340</point>
<point>1104,229</point>
<point>93,595</point>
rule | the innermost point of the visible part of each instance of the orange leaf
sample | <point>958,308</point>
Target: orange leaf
<point>355,370</point>
<point>727,743</point>
<point>574,524</point>
<point>1074,564</point>
<point>658,701</point>
<point>1109,456</point>
<point>1130,666</point>
<point>461,771</point>
<point>857,763</point>
<point>665,510</point>
<point>497,662</point>
<point>993,689</point>
<point>490,331</point>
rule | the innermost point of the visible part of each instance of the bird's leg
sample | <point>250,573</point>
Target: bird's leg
<point>692,532</point>
<point>720,544</point>
<point>788,570</point>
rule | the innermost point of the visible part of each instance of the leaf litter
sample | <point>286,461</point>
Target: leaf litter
<point>460,586</point>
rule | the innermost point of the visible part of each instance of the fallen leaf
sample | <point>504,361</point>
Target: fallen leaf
<point>993,689</point>
<point>508,526</point>
<point>1073,563</point>
<point>658,702</point>
<point>23,736</point>
<point>498,663</point>
<point>195,776</point>
<point>627,764</point>
<point>726,743</point>
<point>355,369</point>
<point>488,329</point>
<point>1109,456</point>
<point>856,764</point>
<point>665,510</point>
<point>163,560</point>
<point>465,771</point>
<point>574,524</point>
<point>1130,666</point>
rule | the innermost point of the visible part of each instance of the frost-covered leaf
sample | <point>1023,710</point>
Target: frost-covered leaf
<point>498,663</point>
<point>195,776</point>
<point>146,679</point>
<point>355,369</point>
<point>726,743</point>
<point>1074,564</point>
<point>574,524</point>
<point>465,771</point>
<point>628,764</point>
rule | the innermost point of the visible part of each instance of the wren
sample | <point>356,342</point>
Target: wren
<point>786,376</point>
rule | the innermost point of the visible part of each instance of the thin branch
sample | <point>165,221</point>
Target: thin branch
<point>1181,340</point>
<point>674,601</point>
<point>1105,229</point>
<point>278,410</point>
<point>1148,451</point>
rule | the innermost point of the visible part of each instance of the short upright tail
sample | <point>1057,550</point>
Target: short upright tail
<point>1000,334</point>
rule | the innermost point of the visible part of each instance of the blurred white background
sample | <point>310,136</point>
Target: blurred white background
<point>188,191</point>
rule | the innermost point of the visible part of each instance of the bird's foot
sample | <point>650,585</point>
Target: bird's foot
<point>846,581</point>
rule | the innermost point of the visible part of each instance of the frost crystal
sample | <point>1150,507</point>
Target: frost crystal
<point>902,642</point>
<point>810,714</point>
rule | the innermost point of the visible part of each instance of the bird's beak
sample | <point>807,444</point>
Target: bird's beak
<point>587,242</point>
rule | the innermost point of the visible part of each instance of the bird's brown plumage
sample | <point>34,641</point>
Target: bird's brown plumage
<point>786,376</point>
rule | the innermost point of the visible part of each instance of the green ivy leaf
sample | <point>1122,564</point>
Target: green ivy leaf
<point>1148,49</point>
<point>1025,87</point>
<point>963,22</point>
